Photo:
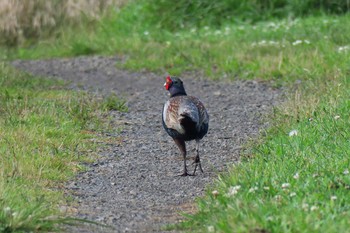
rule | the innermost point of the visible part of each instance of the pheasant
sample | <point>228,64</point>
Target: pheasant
<point>184,119</point>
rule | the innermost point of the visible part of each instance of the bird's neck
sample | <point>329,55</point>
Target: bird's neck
<point>177,92</point>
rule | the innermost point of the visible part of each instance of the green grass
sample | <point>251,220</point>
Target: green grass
<point>45,134</point>
<point>267,50</point>
<point>289,183</point>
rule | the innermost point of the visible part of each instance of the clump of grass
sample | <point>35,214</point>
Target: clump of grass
<point>25,21</point>
<point>113,102</point>
<point>45,133</point>
<point>297,178</point>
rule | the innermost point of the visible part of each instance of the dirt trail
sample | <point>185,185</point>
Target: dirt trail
<point>133,186</point>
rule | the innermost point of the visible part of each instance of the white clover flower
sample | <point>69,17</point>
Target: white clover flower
<point>343,48</point>
<point>292,133</point>
<point>297,42</point>
<point>296,176</point>
<point>285,185</point>
<point>336,117</point>
<point>313,208</point>
<point>278,197</point>
<point>252,190</point>
<point>272,42</point>
<point>215,193</point>
<point>7,209</point>
<point>211,229</point>
<point>233,190</point>
<point>346,172</point>
<point>305,206</point>
<point>293,194</point>
<point>333,198</point>
<point>266,188</point>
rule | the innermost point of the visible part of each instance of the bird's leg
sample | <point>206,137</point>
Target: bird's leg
<point>197,160</point>
<point>182,146</point>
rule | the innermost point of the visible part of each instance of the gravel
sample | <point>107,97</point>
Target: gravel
<point>133,186</point>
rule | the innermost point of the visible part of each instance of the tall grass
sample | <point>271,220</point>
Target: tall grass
<point>172,15</point>
<point>22,22</point>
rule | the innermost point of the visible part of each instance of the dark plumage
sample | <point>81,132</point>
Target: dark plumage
<point>184,119</point>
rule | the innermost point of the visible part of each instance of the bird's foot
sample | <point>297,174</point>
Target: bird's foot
<point>186,174</point>
<point>197,161</point>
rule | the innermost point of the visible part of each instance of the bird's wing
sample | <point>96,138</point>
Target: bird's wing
<point>202,112</point>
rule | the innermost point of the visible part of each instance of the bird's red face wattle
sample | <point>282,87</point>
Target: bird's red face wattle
<point>168,83</point>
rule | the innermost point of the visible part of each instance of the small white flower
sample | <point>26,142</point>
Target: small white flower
<point>278,197</point>
<point>217,32</point>
<point>292,133</point>
<point>146,33</point>
<point>285,185</point>
<point>305,206</point>
<point>266,188</point>
<point>297,42</point>
<point>343,48</point>
<point>211,229</point>
<point>269,218</point>
<point>206,28</point>
<point>296,176</point>
<point>313,208</point>
<point>252,190</point>
<point>333,198</point>
<point>336,117</point>
<point>293,194</point>
<point>215,193</point>
<point>346,172</point>
<point>314,175</point>
<point>233,190</point>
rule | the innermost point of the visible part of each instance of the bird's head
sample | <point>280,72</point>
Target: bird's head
<point>175,86</point>
<point>172,81</point>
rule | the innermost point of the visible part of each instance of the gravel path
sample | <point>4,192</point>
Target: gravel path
<point>133,186</point>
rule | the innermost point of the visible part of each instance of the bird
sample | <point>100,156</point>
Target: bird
<point>184,118</point>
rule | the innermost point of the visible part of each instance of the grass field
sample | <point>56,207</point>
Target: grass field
<point>45,134</point>
<point>293,178</point>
